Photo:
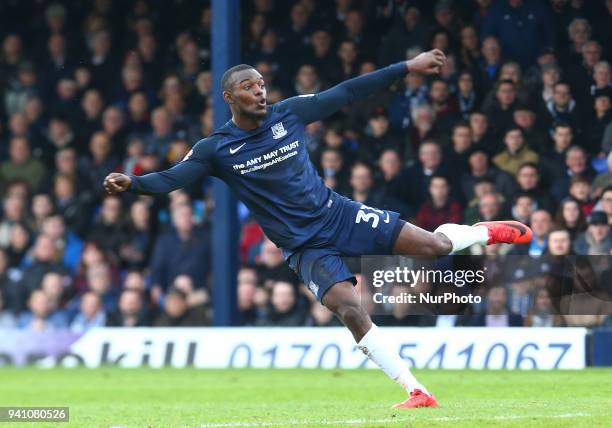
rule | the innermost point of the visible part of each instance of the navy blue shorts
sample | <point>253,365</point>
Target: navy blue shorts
<point>359,230</point>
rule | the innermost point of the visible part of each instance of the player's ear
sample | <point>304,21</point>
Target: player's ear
<point>227,96</point>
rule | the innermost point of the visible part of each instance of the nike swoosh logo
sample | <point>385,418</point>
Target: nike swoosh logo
<point>520,228</point>
<point>232,151</point>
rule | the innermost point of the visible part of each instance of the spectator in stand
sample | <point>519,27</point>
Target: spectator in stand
<point>283,310</point>
<point>68,244</point>
<point>138,240</point>
<point>66,164</point>
<point>467,97</point>
<point>99,162</point>
<point>92,106</point>
<point>479,168</point>
<point>542,314</point>
<point>41,316</point>
<point>22,166</point>
<point>19,244</point>
<point>439,208</point>
<point>562,108</point>
<point>580,189</point>
<point>597,240</point>
<point>576,164</point>
<point>99,280</point>
<point>606,203</point>
<point>401,105</point>
<point>419,175</point>
<point>444,106</point>
<point>408,32</point>
<point>491,60</point>
<point>553,160</point>
<point>196,297</point>
<point>13,211</point>
<point>580,73</point>
<point>91,314</point>
<point>321,55</point>
<point>485,205</point>
<point>178,313</point>
<point>525,118</point>
<point>541,225</point>
<point>481,135</point>
<point>469,53</point>
<point>379,136</point>
<point>528,180</point>
<point>131,311</point>
<point>109,231</point>
<point>73,206</point>
<point>516,152</point>
<point>392,179</point>
<point>603,180</point>
<point>571,217</point>
<point>247,295</point>
<point>559,243</point>
<point>182,250</point>
<point>595,127</point>
<point>500,110</point>
<point>497,312</point>
<point>422,129</point>
<point>45,259</point>
<point>602,77</point>
<point>162,134</point>
<point>523,207</point>
<point>550,76</point>
<point>523,28</point>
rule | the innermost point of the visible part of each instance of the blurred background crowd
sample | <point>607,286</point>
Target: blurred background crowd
<point>517,125</point>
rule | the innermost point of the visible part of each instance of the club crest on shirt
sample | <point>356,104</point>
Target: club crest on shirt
<point>278,131</point>
<point>188,155</point>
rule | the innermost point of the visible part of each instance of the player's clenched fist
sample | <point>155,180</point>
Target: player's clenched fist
<point>427,62</point>
<point>116,182</point>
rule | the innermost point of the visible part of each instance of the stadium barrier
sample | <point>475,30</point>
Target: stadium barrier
<point>601,345</point>
<point>457,348</point>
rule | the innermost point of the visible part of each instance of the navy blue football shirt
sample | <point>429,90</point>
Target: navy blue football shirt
<point>268,168</point>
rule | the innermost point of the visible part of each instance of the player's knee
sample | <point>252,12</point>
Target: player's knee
<point>352,313</point>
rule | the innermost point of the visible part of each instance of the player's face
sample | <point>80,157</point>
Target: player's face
<point>248,94</point>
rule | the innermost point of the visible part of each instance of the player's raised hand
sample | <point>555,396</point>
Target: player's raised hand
<point>116,183</point>
<point>427,62</point>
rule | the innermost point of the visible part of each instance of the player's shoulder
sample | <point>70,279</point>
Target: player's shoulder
<point>206,146</point>
<point>288,104</point>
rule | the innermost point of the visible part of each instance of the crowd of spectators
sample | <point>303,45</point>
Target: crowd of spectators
<point>517,125</point>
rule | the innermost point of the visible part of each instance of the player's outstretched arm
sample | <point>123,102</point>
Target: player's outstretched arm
<point>195,166</point>
<point>311,108</point>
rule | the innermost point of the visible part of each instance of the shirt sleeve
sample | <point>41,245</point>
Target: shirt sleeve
<point>310,108</point>
<point>196,164</point>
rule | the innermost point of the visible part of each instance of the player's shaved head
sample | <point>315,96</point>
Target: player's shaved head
<point>228,80</point>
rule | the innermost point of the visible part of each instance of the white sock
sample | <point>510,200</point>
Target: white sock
<point>374,346</point>
<point>463,236</point>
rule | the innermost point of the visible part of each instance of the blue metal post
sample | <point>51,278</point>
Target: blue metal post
<point>225,233</point>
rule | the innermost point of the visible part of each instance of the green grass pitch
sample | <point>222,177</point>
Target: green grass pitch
<point>112,397</point>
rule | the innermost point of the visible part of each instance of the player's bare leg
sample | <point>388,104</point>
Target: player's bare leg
<point>412,240</point>
<point>343,300</point>
<point>449,237</point>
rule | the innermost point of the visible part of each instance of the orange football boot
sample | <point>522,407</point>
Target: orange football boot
<point>417,398</point>
<point>507,232</point>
